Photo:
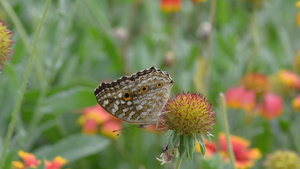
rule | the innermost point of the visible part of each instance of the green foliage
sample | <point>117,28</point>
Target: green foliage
<point>78,48</point>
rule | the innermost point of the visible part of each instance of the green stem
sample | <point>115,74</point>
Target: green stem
<point>210,46</point>
<point>255,36</point>
<point>178,164</point>
<point>50,74</point>
<point>23,86</point>
<point>227,132</point>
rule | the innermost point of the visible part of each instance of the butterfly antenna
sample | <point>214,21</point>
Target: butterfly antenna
<point>125,129</point>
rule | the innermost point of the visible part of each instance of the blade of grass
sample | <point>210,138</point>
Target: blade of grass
<point>23,85</point>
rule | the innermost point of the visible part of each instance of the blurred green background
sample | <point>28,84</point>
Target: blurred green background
<point>82,43</point>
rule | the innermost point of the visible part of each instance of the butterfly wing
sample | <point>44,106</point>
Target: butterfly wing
<point>137,99</point>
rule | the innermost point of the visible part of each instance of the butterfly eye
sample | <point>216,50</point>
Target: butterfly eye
<point>159,84</point>
<point>144,89</point>
<point>126,96</point>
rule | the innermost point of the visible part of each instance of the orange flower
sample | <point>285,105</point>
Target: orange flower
<point>245,157</point>
<point>289,79</point>
<point>272,106</point>
<point>296,103</point>
<point>256,82</point>
<point>233,97</point>
<point>108,127</point>
<point>30,161</point>
<point>297,57</point>
<point>170,5</point>
<point>57,163</point>
<point>238,98</point>
<point>94,116</point>
<point>298,15</point>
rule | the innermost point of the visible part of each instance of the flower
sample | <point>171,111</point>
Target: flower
<point>297,57</point>
<point>188,117</point>
<point>170,5</point>
<point>6,43</point>
<point>289,79</point>
<point>244,156</point>
<point>272,106</point>
<point>238,97</point>
<point>30,161</point>
<point>57,163</point>
<point>256,82</point>
<point>189,114</point>
<point>166,156</point>
<point>94,116</point>
<point>296,103</point>
<point>282,160</point>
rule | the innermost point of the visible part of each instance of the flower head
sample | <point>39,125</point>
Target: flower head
<point>94,116</point>
<point>189,117</point>
<point>189,114</point>
<point>239,98</point>
<point>297,57</point>
<point>272,106</point>
<point>30,161</point>
<point>6,43</point>
<point>57,163</point>
<point>166,156</point>
<point>289,79</point>
<point>296,103</point>
<point>170,5</point>
<point>256,82</point>
<point>245,156</point>
<point>282,160</point>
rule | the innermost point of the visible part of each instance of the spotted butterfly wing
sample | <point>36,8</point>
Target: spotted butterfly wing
<point>137,99</point>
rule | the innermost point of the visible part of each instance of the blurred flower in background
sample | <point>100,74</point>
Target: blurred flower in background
<point>204,30</point>
<point>94,116</point>
<point>30,161</point>
<point>296,103</point>
<point>282,160</point>
<point>254,96</point>
<point>245,156</point>
<point>297,58</point>
<point>6,43</point>
<point>239,98</point>
<point>169,6</point>
<point>256,82</point>
<point>272,106</point>
<point>289,79</point>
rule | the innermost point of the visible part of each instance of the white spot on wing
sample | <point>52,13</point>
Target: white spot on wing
<point>139,107</point>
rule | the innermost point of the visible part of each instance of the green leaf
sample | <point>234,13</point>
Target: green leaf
<point>208,136</point>
<point>74,147</point>
<point>173,139</point>
<point>191,145</point>
<point>202,145</point>
<point>66,100</point>
<point>182,146</point>
<point>187,147</point>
